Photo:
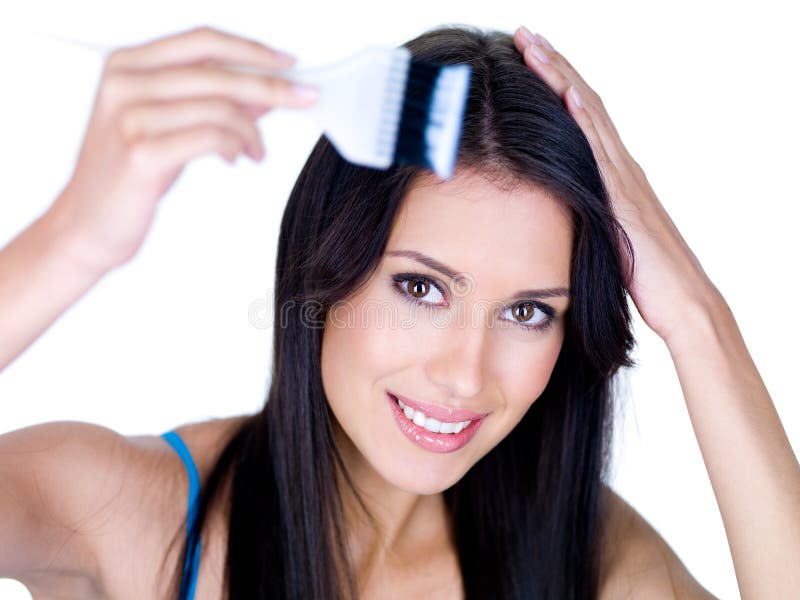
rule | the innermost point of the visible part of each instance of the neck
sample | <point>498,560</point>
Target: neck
<point>402,523</point>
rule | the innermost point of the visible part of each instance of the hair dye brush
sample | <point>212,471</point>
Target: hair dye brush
<point>380,108</point>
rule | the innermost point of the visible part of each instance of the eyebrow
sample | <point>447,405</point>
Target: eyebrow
<point>434,264</point>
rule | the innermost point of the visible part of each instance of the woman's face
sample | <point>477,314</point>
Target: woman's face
<point>447,342</point>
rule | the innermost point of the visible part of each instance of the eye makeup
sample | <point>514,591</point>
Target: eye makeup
<point>400,279</point>
<point>451,273</point>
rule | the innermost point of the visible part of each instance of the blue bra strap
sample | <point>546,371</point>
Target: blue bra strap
<point>177,444</point>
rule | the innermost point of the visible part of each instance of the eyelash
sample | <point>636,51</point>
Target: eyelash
<point>400,278</point>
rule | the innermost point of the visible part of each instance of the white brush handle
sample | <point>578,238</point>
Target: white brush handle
<point>360,101</point>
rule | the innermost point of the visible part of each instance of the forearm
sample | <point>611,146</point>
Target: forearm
<point>41,275</point>
<point>753,470</point>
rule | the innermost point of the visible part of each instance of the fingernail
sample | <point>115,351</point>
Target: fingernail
<point>576,96</point>
<point>305,92</point>
<point>539,54</point>
<point>526,34</point>
<point>541,41</point>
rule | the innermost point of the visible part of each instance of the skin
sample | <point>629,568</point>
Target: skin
<point>481,363</point>
<point>158,106</point>
<point>67,531</point>
<point>750,462</point>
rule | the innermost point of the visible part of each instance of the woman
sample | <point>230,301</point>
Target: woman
<point>335,488</point>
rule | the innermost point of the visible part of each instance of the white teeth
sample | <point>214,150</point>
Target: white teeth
<point>432,424</point>
<point>429,423</point>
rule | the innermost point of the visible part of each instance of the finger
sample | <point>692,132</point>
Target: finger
<point>522,39</point>
<point>556,71</point>
<point>257,111</point>
<point>205,80</point>
<point>158,118</point>
<point>175,148</point>
<point>608,168</point>
<point>199,45</point>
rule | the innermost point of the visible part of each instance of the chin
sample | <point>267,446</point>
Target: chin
<point>423,481</point>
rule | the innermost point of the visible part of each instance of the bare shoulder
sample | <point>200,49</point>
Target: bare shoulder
<point>64,484</point>
<point>68,470</point>
<point>152,520</point>
<point>96,509</point>
<point>637,561</point>
<point>206,439</point>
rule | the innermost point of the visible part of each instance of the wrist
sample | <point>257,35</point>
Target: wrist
<point>69,246</point>
<point>702,320</point>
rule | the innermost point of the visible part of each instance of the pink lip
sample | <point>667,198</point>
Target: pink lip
<point>440,413</point>
<point>427,440</point>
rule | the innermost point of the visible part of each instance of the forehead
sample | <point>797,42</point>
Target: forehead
<point>473,223</point>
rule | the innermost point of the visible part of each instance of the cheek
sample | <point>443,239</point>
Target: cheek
<point>525,369</point>
<point>359,346</point>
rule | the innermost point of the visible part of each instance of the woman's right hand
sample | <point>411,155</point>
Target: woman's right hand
<point>158,106</point>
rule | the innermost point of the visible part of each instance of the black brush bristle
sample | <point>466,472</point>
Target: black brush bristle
<point>411,146</point>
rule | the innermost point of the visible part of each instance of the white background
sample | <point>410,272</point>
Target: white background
<point>704,95</point>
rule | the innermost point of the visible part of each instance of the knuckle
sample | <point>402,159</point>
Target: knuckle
<point>206,33</point>
<point>141,154</point>
<point>129,121</point>
<point>225,110</point>
<point>258,46</point>
<point>120,59</point>
<point>217,136</point>
<point>113,59</point>
<point>596,98</point>
<point>199,30</point>
<point>114,87</point>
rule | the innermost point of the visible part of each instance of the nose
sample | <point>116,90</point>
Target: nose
<point>457,364</point>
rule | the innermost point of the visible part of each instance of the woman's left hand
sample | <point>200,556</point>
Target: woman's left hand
<point>668,279</point>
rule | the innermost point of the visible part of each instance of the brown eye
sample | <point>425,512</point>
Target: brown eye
<point>418,288</point>
<point>523,314</point>
<point>523,310</point>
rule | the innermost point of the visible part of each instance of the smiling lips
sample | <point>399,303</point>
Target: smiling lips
<point>434,428</point>
<point>441,413</point>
